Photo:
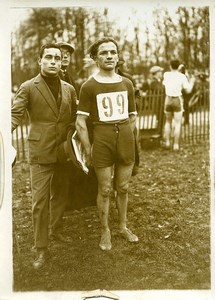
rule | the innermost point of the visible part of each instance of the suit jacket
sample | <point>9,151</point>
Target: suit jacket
<point>66,76</point>
<point>48,124</point>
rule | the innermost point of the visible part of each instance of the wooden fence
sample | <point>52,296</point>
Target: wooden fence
<point>195,126</point>
<point>150,121</point>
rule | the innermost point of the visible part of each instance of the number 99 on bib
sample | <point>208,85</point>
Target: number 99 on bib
<point>112,106</point>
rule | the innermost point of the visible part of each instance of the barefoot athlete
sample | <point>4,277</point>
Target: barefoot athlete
<point>108,100</point>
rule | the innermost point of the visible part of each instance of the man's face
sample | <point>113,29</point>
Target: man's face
<point>50,63</point>
<point>66,57</point>
<point>107,56</point>
<point>159,75</point>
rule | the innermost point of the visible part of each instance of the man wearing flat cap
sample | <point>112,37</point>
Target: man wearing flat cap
<point>155,88</point>
<point>154,82</point>
<point>157,75</point>
<point>65,74</point>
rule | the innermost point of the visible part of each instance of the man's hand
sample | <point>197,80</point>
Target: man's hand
<point>82,131</point>
<point>133,118</point>
<point>88,158</point>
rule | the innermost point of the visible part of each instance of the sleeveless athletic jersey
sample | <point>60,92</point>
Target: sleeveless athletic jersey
<point>106,102</point>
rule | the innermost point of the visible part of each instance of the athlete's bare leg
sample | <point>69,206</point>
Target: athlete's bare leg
<point>122,177</point>
<point>177,129</point>
<point>168,129</point>
<point>104,188</point>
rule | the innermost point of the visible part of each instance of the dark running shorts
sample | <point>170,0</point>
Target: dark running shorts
<point>113,143</point>
<point>173,104</point>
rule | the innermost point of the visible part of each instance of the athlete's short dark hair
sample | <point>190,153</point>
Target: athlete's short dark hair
<point>174,64</point>
<point>93,50</point>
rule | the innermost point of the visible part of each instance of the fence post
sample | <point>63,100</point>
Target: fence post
<point>151,116</point>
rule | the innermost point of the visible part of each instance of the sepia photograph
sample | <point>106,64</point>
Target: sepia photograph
<point>107,150</point>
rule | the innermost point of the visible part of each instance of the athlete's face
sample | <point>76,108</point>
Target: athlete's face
<point>107,56</point>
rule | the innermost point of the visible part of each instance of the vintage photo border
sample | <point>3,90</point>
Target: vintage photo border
<point>6,265</point>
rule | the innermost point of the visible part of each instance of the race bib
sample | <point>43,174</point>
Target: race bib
<point>112,106</point>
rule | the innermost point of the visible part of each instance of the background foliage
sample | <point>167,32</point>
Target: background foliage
<point>144,40</point>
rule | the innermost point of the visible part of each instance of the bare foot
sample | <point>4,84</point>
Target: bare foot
<point>105,243</point>
<point>128,235</point>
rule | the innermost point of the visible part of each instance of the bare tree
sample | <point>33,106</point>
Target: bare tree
<point>183,34</point>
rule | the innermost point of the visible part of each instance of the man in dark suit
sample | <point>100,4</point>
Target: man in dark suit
<point>51,106</point>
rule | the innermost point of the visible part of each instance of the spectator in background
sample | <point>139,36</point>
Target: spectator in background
<point>90,66</point>
<point>137,99</point>
<point>156,87</point>
<point>174,83</point>
<point>153,96</point>
<point>156,83</point>
<point>200,91</point>
<point>65,73</point>
<point>186,96</point>
<point>51,105</point>
<point>120,71</point>
<point>80,189</point>
<point>89,69</point>
<point>182,69</point>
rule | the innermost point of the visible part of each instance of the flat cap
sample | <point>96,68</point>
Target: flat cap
<point>155,69</point>
<point>66,45</point>
<point>65,151</point>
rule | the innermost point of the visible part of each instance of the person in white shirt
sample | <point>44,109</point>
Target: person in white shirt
<point>174,83</point>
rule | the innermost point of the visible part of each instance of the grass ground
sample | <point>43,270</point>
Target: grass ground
<point>169,210</point>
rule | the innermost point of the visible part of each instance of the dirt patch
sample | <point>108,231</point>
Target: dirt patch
<point>169,210</point>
